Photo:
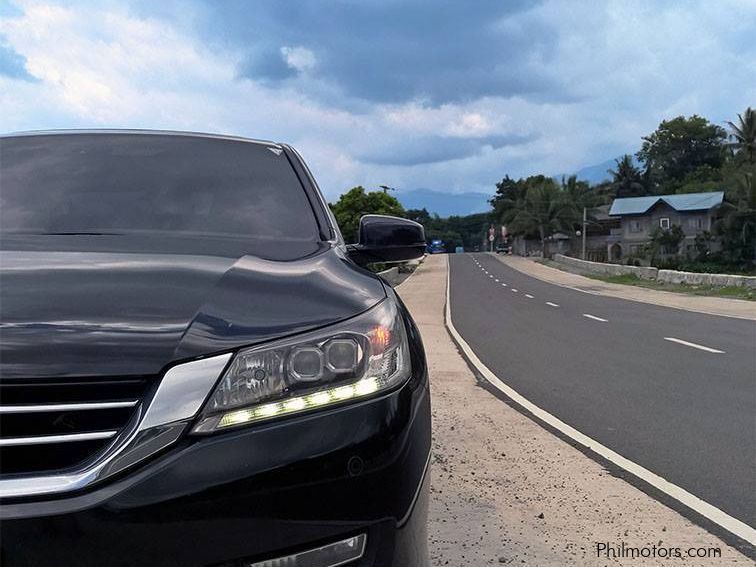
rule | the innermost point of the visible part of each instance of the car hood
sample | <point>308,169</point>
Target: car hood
<point>94,312</point>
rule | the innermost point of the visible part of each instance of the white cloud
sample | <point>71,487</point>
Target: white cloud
<point>471,124</point>
<point>130,70</point>
<point>299,58</point>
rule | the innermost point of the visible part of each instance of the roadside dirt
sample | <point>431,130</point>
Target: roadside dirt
<point>505,491</point>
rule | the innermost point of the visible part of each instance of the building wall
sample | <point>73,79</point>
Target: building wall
<point>636,229</point>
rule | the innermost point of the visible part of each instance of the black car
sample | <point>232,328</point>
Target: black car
<point>196,369</point>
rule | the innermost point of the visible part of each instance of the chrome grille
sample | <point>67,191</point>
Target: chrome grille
<point>50,426</point>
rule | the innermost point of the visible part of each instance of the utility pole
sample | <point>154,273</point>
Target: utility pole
<point>585,221</point>
<point>386,189</point>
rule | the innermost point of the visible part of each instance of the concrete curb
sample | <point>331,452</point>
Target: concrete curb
<point>716,280</point>
<point>650,273</point>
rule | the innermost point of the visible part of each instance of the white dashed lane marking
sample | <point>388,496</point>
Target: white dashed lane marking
<point>694,345</point>
<point>589,316</point>
<point>529,296</point>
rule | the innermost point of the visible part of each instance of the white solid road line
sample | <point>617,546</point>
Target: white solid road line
<point>694,345</point>
<point>732,525</point>
<point>589,316</point>
<point>528,296</point>
<point>551,304</point>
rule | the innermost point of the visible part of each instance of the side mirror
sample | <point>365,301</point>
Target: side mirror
<point>387,239</point>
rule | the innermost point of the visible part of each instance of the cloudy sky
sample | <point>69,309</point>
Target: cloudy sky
<point>441,95</point>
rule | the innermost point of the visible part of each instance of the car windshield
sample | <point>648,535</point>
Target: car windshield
<point>106,183</point>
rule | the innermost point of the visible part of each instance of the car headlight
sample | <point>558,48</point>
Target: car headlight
<point>335,365</point>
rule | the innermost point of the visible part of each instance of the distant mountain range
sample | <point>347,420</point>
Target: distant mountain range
<point>444,204</point>
<point>448,204</point>
<point>598,173</point>
<point>594,174</point>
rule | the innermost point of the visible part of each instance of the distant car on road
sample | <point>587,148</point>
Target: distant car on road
<point>437,247</point>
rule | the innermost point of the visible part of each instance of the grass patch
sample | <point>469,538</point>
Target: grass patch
<point>627,279</point>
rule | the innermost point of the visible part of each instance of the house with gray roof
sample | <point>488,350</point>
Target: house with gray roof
<point>640,216</point>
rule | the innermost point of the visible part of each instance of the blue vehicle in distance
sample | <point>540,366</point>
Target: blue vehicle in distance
<point>436,247</point>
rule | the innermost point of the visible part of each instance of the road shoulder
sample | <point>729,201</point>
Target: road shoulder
<point>504,490</point>
<point>721,306</point>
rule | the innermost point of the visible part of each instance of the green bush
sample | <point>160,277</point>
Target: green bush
<point>713,264</point>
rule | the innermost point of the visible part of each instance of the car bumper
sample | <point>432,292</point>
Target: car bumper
<point>249,495</point>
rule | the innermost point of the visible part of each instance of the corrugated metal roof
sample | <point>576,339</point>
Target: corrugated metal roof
<point>684,202</point>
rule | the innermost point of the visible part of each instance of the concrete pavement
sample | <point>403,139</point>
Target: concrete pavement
<point>738,308</point>
<point>506,491</point>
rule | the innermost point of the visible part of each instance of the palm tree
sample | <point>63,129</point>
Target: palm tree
<point>579,195</point>
<point>743,135</point>
<point>543,210</point>
<point>736,226</point>
<point>627,179</point>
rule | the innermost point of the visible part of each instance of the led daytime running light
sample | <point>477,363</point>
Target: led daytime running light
<point>359,389</point>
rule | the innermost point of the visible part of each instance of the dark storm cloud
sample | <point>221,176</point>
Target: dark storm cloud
<point>390,52</point>
<point>434,149</point>
<point>267,65</point>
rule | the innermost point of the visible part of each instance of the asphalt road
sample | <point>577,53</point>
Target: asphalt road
<point>606,366</point>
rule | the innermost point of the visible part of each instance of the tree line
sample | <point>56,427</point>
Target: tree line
<point>683,155</point>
